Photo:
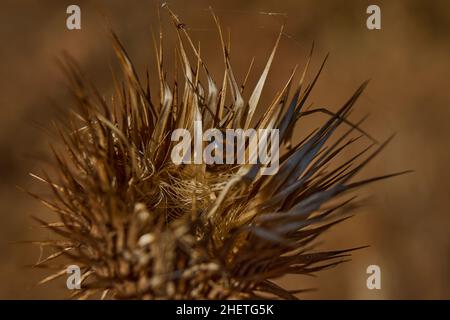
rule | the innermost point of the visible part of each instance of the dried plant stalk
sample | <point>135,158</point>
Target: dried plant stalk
<point>140,226</point>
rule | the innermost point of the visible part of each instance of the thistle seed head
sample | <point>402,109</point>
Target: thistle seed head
<point>141,227</point>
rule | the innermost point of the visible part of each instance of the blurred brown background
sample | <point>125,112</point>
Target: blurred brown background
<point>406,220</point>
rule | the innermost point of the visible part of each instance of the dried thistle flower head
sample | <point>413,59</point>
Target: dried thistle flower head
<point>140,226</point>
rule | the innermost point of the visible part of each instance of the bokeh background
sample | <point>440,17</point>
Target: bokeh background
<point>406,220</point>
